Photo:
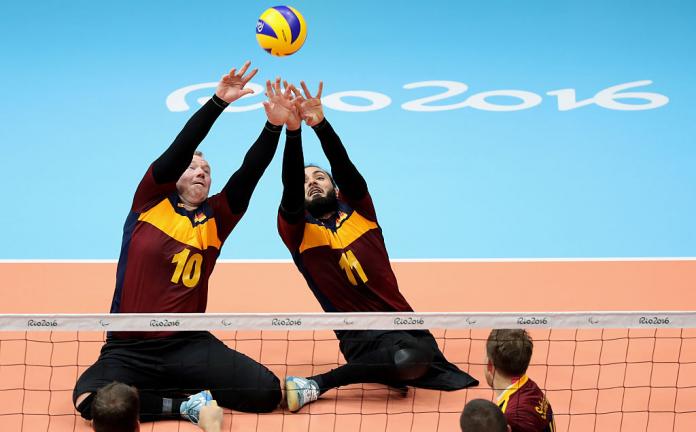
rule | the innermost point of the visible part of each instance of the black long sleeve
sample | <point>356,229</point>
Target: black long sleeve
<point>242,183</point>
<point>172,163</point>
<point>346,175</point>
<point>292,202</point>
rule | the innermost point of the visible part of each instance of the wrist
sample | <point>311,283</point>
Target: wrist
<point>320,124</point>
<point>273,127</point>
<point>219,101</point>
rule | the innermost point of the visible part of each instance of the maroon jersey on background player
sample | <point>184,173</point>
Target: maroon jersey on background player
<point>526,408</point>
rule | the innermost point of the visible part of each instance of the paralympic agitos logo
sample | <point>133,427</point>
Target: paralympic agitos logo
<point>616,97</point>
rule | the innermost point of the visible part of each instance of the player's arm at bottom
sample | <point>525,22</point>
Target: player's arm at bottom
<point>210,419</point>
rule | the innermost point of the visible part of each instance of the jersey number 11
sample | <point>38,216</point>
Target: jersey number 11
<point>350,263</point>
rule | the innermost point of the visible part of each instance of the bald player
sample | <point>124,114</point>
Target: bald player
<point>171,241</point>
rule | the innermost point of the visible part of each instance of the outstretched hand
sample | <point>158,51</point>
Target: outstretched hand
<point>279,105</point>
<point>231,86</point>
<point>309,106</point>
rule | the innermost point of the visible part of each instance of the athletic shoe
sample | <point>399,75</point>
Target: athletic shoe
<point>299,392</point>
<point>191,408</point>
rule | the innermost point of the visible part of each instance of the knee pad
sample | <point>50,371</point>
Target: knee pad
<point>85,407</point>
<point>412,363</point>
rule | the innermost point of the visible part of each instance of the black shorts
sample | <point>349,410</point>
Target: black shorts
<point>185,363</point>
<point>442,375</point>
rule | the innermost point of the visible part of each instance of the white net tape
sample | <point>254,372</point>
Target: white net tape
<point>346,321</point>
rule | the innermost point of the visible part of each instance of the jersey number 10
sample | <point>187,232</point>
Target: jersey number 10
<point>188,269</point>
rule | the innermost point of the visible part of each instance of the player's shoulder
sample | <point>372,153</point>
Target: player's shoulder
<point>149,193</point>
<point>532,388</point>
<point>535,410</point>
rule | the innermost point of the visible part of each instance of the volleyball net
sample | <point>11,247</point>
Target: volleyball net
<point>601,371</point>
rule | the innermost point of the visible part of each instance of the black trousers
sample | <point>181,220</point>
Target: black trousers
<point>186,363</point>
<point>370,359</point>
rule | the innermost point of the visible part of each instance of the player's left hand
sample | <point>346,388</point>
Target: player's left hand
<point>310,106</point>
<point>231,86</point>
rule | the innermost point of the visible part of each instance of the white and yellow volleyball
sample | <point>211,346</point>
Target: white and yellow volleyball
<point>281,30</point>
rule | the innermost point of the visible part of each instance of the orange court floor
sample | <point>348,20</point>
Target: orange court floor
<point>595,380</point>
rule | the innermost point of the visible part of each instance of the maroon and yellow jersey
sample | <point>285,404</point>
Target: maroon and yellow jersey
<point>345,261</point>
<point>168,253</point>
<point>526,408</point>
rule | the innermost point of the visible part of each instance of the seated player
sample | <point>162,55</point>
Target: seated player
<point>115,408</point>
<point>508,353</point>
<point>480,415</point>
<point>172,239</point>
<point>330,227</point>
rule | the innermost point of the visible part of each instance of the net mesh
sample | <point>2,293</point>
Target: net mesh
<point>600,371</point>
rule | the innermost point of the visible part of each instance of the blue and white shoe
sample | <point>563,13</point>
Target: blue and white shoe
<point>299,392</point>
<point>191,408</point>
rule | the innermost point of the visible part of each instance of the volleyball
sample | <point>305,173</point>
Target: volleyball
<point>281,30</point>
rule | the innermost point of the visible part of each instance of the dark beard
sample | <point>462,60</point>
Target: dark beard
<point>318,207</point>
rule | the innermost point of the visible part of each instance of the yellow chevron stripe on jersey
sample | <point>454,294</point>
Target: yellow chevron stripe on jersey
<point>504,398</point>
<point>349,231</point>
<point>166,219</point>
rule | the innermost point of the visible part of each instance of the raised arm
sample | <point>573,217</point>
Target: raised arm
<point>292,202</point>
<point>351,184</point>
<point>242,183</point>
<point>292,208</point>
<point>172,163</point>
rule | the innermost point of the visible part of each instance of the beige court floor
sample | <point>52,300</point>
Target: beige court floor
<point>610,380</point>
